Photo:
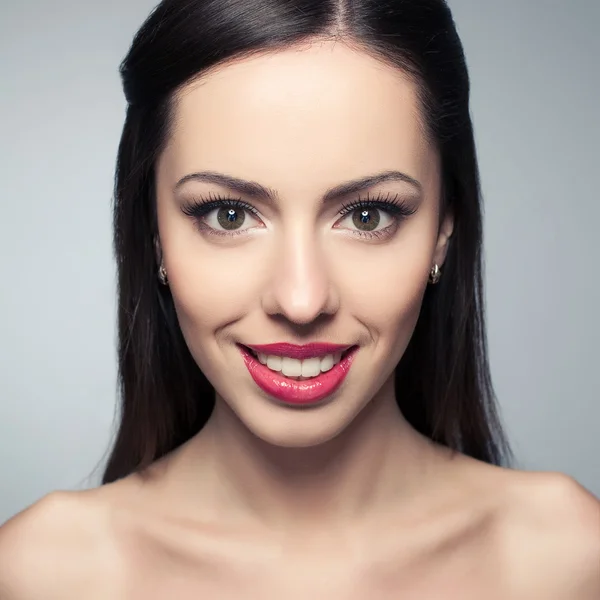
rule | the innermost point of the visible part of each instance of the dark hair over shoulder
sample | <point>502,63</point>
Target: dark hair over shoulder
<point>443,381</point>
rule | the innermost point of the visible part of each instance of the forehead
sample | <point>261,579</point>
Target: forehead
<point>315,114</point>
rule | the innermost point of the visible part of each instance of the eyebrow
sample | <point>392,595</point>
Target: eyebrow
<point>256,190</point>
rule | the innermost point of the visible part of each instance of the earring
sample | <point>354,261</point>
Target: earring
<point>162,275</point>
<point>435,274</point>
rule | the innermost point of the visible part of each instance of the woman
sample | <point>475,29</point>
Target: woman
<point>306,399</point>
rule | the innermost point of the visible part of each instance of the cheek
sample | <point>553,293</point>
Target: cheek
<point>210,283</point>
<point>206,298</point>
<point>392,295</point>
<point>393,277</point>
<point>386,288</point>
<point>210,289</point>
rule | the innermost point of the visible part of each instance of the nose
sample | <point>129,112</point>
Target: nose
<point>300,287</point>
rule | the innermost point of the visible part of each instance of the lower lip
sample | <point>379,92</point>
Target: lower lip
<point>291,391</point>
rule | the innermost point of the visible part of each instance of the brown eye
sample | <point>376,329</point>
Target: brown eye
<point>222,215</point>
<point>230,218</point>
<point>366,219</point>
<point>376,218</point>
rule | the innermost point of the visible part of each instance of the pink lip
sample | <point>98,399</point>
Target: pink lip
<point>291,391</point>
<point>293,351</point>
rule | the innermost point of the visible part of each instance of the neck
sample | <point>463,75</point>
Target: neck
<point>375,464</point>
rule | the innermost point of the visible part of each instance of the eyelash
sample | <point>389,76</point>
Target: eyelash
<point>396,208</point>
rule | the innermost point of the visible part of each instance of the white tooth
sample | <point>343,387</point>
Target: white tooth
<point>291,367</point>
<point>326,363</point>
<point>274,363</point>
<point>311,367</point>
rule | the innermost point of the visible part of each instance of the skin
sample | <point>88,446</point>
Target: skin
<point>301,273</point>
<point>344,500</point>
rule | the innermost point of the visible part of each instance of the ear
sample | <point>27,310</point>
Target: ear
<point>443,241</point>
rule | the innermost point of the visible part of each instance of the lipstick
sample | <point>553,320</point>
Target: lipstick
<point>290,391</point>
<point>314,350</point>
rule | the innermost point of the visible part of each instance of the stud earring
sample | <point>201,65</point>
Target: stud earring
<point>162,275</point>
<point>435,274</point>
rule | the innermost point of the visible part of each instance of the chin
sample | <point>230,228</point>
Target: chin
<point>298,438</point>
<point>286,427</point>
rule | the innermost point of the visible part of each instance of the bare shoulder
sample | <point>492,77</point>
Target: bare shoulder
<point>551,537</point>
<point>55,549</point>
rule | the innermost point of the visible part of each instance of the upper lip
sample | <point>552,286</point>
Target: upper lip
<point>312,350</point>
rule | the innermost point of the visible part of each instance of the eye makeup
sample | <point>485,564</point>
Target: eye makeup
<point>368,210</point>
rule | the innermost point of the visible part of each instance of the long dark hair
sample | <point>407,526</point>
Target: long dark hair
<point>443,384</point>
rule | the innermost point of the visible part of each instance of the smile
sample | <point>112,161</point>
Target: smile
<point>293,380</point>
<point>295,368</point>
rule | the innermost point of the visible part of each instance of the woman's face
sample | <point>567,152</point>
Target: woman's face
<point>299,265</point>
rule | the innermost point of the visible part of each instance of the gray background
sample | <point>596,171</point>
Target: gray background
<point>535,100</point>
